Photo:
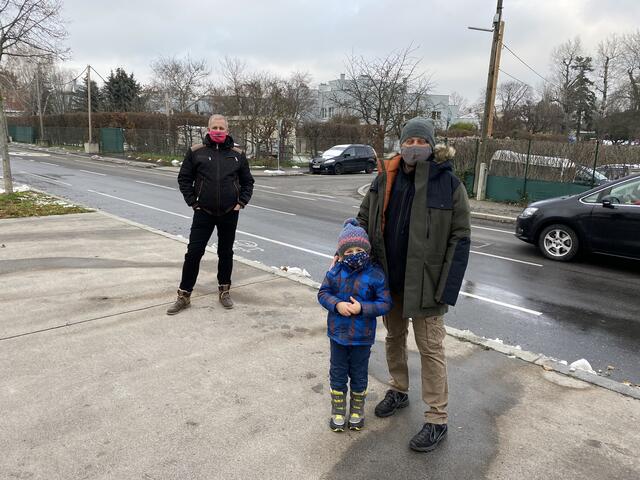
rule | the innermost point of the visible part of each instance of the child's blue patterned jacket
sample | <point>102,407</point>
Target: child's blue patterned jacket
<point>367,286</point>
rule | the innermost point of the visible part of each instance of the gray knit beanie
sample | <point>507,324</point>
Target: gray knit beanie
<point>418,127</point>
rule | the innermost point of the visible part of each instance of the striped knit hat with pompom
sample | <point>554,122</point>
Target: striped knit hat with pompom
<point>353,235</point>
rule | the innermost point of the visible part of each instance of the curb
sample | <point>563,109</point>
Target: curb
<point>538,359</point>
<point>118,161</point>
<point>494,218</point>
<point>547,363</point>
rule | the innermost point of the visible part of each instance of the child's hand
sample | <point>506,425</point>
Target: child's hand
<point>355,308</point>
<point>344,309</point>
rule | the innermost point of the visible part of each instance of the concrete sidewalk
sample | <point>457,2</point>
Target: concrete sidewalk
<point>99,383</point>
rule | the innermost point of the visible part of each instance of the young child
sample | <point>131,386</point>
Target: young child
<point>354,292</point>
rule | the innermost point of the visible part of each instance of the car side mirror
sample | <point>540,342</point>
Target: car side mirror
<point>609,201</point>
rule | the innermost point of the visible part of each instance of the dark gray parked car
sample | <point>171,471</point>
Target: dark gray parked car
<point>345,158</point>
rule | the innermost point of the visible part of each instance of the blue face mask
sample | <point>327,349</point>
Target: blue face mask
<point>357,261</point>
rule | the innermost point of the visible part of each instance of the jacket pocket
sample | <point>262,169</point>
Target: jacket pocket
<point>430,279</point>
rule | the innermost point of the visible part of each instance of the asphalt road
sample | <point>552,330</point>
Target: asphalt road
<point>586,309</point>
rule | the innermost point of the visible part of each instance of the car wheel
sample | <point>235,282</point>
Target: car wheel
<point>338,169</point>
<point>369,168</point>
<point>559,242</point>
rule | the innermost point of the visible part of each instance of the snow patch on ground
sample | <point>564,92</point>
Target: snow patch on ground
<point>274,172</point>
<point>301,272</point>
<point>17,188</point>
<point>581,364</point>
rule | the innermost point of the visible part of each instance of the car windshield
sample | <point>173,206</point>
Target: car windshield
<point>334,151</point>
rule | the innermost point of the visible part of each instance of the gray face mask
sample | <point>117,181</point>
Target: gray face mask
<point>413,155</point>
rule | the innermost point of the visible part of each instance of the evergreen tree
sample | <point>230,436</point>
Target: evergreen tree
<point>122,92</point>
<point>582,95</point>
<point>79,102</point>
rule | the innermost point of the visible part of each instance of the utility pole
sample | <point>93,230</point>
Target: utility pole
<point>89,101</point>
<point>39,95</point>
<point>492,82</point>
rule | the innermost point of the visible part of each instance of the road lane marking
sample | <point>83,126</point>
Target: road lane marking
<point>287,195</point>
<point>265,186</point>
<point>502,304</point>
<point>298,196</point>
<point>277,242</point>
<point>507,259</point>
<point>47,178</point>
<point>93,173</point>
<point>52,164</point>
<point>155,185</point>
<point>313,194</point>
<point>272,210</point>
<point>139,204</point>
<point>493,229</point>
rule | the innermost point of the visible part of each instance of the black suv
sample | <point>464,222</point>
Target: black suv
<point>345,158</point>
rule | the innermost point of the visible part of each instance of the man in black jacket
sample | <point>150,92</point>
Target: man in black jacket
<point>216,182</point>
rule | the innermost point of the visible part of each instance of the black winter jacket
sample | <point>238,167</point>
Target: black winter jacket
<point>215,177</point>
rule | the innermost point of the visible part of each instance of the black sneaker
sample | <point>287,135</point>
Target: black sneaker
<point>428,438</point>
<point>392,401</point>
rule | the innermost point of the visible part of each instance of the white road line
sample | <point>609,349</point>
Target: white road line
<point>140,204</point>
<point>47,178</point>
<point>324,255</point>
<point>155,185</point>
<point>507,259</point>
<point>52,164</point>
<point>272,210</point>
<point>265,186</point>
<point>287,195</point>
<point>313,194</point>
<point>93,173</point>
<point>493,229</point>
<point>297,196</point>
<point>502,304</point>
<point>277,242</point>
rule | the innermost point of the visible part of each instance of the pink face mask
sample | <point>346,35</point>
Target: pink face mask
<point>217,136</point>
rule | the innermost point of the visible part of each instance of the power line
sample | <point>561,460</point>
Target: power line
<point>98,74</point>
<point>516,79</point>
<point>526,64</point>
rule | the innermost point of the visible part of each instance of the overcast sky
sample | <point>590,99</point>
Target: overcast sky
<point>315,36</point>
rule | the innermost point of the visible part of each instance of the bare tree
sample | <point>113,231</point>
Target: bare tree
<point>606,69</point>
<point>28,28</point>
<point>563,61</point>
<point>631,67</point>
<point>460,101</point>
<point>384,91</point>
<point>513,98</point>
<point>183,80</point>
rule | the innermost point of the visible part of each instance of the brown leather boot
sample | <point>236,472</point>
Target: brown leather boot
<point>183,301</point>
<point>225,296</point>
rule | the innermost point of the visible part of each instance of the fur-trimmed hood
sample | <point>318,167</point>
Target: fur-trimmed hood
<point>443,152</point>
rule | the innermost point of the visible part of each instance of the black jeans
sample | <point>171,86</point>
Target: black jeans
<point>201,231</point>
<point>349,363</point>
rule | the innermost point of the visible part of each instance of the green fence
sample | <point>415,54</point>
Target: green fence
<point>510,189</point>
<point>22,134</point>
<point>111,140</point>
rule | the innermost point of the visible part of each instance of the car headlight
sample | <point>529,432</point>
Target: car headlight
<point>528,212</point>
<point>327,162</point>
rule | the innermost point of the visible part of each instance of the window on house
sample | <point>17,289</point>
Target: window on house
<point>330,112</point>
<point>323,112</point>
<point>436,115</point>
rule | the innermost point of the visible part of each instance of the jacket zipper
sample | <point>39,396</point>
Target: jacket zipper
<point>428,222</point>
<point>200,189</point>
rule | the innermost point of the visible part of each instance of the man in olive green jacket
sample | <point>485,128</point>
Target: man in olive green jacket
<point>417,216</point>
